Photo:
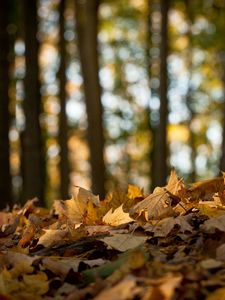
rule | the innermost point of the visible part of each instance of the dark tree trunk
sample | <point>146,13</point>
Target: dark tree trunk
<point>148,111</point>
<point>222,158</point>
<point>63,130</point>
<point>87,28</point>
<point>5,178</point>
<point>160,155</point>
<point>33,162</point>
<point>189,100</point>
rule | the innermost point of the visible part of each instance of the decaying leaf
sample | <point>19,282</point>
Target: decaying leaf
<point>117,217</point>
<point>52,237</point>
<point>165,226</point>
<point>172,245</point>
<point>124,242</point>
<point>76,208</point>
<point>214,223</point>
<point>155,207</point>
<point>206,189</point>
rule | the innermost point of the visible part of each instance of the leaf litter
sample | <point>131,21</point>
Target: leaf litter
<point>164,246</point>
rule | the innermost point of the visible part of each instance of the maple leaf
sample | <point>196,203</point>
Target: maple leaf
<point>156,206</point>
<point>76,208</point>
<point>117,217</point>
<point>174,185</point>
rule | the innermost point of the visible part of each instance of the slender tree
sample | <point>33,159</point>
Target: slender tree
<point>33,179</point>
<point>5,178</point>
<point>160,149</point>
<point>87,29</point>
<point>63,140</point>
<point>221,14</point>
<point>189,100</point>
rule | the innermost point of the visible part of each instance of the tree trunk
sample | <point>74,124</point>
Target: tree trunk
<point>160,157</point>
<point>189,100</point>
<point>148,111</point>
<point>5,178</point>
<point>87,23</point>
<point>33,162</point>
<point>63,130</point>
<point>222,158</point>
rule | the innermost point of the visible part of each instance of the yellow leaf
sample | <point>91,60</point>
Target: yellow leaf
<point>117,217</point>
<point>76,208</point>
<point>134,192</point>
<point>37,283</point>
<point>218,294</point>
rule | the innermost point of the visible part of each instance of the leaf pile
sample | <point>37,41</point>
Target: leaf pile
<point>164,246</point>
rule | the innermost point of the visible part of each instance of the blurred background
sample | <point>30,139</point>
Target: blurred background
<point>105,93</point>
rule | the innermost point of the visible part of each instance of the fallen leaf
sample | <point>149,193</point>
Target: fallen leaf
<point>134,192</point>
<point>174,185</point>
<point>206,189</point>
<point>218,294</point>
<point>163,227</point>
<point>220,252</point>
<point>36,284</point>
<point>117,217</point>
<point>121,291</point>
<point>212,224</point>
<point>51,237</point>
<point>163,288</point>
<point>155,207</point>
<point>124,242</point>
<point>76,208</point>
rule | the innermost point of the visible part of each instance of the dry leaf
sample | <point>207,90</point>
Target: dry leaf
<point>124,242</point>
<point>212,224</point>
<point>134,192</point>
<point>155,207</point>
<point>51,237</point>
<point>117,217</point>
<point>206,189</point>
<point>218,294</point>
<point>76,208</point>
<point>174,185</point>
<point>165,226</point>
<point>121,291</point>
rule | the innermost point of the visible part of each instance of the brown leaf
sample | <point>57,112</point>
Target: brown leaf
<point>28,235</point>
<point>121,291</point>
<point>212,224</point>
<point>52,237</point>
<point>124,242</point>
<point>76,208</point>
<point>174,185</point>
<point>206,189</point>
<point>155,207</point>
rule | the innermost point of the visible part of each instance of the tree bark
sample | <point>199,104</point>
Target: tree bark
<point>33,162</point>
<point>189,100</point>
<point>160,158</point>
<point>5,177</point>
<point>87,28</point>
<point>63,130</point>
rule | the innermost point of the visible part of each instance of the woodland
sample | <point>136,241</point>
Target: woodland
<point>112,149</point>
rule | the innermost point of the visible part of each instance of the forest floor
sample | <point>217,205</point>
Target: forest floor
<point>164,246</point>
